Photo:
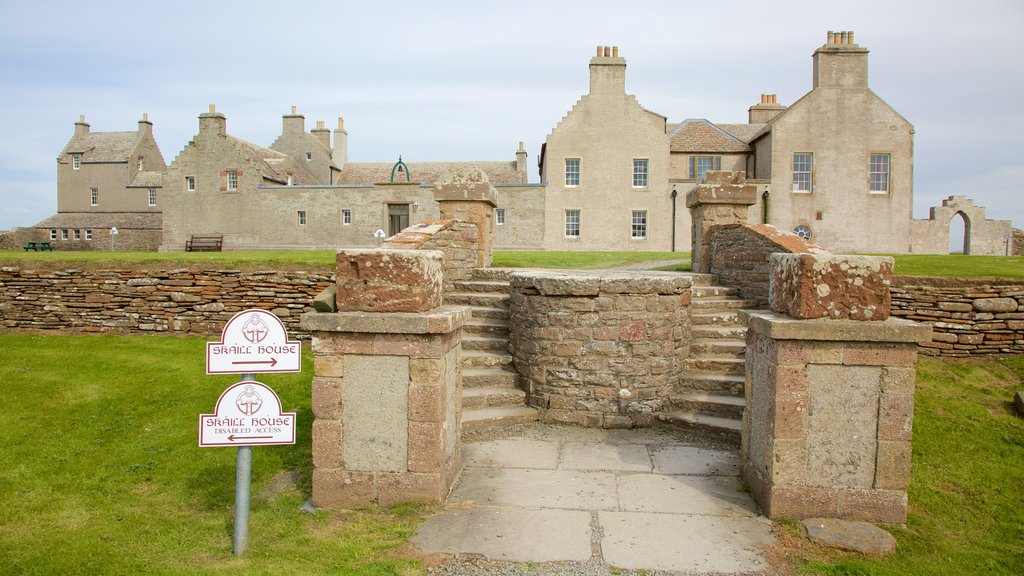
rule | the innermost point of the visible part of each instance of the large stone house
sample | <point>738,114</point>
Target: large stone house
<point>835,166</point>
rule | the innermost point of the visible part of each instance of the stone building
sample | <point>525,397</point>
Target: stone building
<point>107,180</point>
<point>835,166</point>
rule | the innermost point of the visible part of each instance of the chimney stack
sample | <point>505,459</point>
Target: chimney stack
<point>840,63</point>
<point>340,153</point>
<point>81,127</point>
<point>293,123</point>
<point>322,133</point>
<point>213,122</point>
<point>521,163</point>
<point>145,126</point>
<point>766,110</point>
<point>607,71</point>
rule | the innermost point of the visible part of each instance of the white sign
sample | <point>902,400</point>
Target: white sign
<point>247,414</point>
<point>253,341</point>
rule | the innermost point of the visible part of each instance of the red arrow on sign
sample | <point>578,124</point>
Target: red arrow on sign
<point>272,362</point>
<point>233,437</point>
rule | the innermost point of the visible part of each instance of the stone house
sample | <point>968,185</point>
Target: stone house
<point>107,180</point>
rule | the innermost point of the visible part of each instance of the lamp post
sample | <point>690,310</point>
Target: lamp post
<point>113,238</point>
<point>674,194</point>
<point>766,197</point>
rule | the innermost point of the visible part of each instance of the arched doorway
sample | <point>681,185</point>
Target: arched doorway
<point>959,234</point>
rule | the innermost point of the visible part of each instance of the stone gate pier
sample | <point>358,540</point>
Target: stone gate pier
<point>830,392</point>
<point>387,389</point>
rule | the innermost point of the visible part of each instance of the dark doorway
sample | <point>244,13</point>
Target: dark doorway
<point>398,218</point>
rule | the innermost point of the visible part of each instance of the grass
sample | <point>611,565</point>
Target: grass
<point>579,260</point>
<point>966,511</point>
<point>959,266</point>
<point>102,475</point>
<point>317,258</point>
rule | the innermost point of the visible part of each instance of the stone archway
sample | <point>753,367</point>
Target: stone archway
<point>961,231</point>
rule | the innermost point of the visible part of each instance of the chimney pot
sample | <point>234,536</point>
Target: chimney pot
<point>615,51</point>
<point>213,108</point>
<point>600,49</point>
<point>294,110</point>
<point>521,147</point>
<point>341,123</point>
<point>775,98</point>
<point>81,118</point>
<point>844,37</point>
<point>145,116</point>
<point>831,37</point>
<point>850,38</point>
<point>607,52</point>
<point>319,124</point>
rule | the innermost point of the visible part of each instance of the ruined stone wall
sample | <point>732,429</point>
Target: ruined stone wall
<point>968,316</point>
<point>459,241</point>
<point>183,301</point>
<point>1017,243</point>
<point>599,350</point>
<point>739,255</point>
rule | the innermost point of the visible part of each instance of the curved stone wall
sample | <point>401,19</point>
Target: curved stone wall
<point>600,350</point>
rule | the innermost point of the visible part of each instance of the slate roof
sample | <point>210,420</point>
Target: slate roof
<point>746,132</point>
<point>103,146</point>
<point>703,136</point>
<point>147,179</point>
<point>125,220</point>
<point>274,166</point>
<point>425,172</point>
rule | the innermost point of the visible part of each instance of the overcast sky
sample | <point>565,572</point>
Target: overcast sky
<point>467,80</point>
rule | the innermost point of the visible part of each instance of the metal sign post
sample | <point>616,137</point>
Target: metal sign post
<point>113,237</point>
<point>249,413</point>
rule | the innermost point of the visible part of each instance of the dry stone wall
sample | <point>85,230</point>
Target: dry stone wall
<point>968,317</point>
<point>186,301</point>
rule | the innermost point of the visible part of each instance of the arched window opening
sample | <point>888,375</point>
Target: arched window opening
<point>959,234</point>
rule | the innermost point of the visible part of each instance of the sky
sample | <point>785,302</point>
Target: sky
<point>468,80</point>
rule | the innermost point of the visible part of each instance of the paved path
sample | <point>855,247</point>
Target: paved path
<point>631,499</point>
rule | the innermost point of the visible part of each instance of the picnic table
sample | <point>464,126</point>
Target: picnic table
<point>38,246</point>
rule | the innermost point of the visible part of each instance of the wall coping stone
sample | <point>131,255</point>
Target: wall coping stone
<point>781,327</point>
<point>592,283</point>
<point>441,320</point>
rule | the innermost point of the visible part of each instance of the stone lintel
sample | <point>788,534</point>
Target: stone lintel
<point>714,192</point>
<point>466,192</point>
<point>781,327</point>
<point>582,283</point>
<point>441,320</point>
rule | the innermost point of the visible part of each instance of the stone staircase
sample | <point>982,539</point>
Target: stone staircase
<point>710,395</point>
<point>491,396</point>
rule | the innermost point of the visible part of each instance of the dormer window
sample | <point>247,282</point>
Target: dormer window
<point>309,156</point>
<point>76,161</point>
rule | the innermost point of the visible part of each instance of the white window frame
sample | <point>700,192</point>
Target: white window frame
<point>94,196</point>
<point>190,183</point>
<point>638,225</point>
<point>346,217</point>
<point>309,156</point>
<point>152,196</point>
<point>53,233</point>
<point>572,172</point>
<point>572,223</point>
<point>499,216</point>
<point>301,216</point>
<point>803,179</point>
<point>873,172</point>
<point>232,181</point>
<point>699,164</point>
<point>76,161</point>
<point>77,234</point>
<point>641,171</point>
<point>64,234</point>
<point>88,233</point>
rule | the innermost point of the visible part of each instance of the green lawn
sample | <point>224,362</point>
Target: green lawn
<point>959,266</point>
<point>318,258</point>
<point>102,474</point>
<point>966,510</point>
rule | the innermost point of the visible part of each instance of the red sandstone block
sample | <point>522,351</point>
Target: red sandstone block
<point>879,354</point>
<point>326,397</point>
<point>830,286</point>
<point>790,379</point>
<point>631,331</point>
<point>895,417</point>
<point>892,468</point>
<point>389,280</point>
<point>327,443</point>
<point>426,446</point>
<point>426,403</point>
<point>791,416</point>
<point>798,502</point>
<point>341,489</point>
<point>885,506</point>
<point>397,487</point>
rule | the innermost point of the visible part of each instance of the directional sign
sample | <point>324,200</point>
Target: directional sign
<point>253,342</point>
<point>247,414</point>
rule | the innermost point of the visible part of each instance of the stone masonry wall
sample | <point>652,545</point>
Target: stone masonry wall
<point>459,241</point>
<point>968,317</point>
<point>599,350</point>
<point>187,301</point>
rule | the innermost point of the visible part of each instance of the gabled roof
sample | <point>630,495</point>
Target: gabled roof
<point>273,165</point>
<point>699,135</point>
<point>125,220</point>
<point>147,179</point>
<point>746,132</point>
<point>425,172</point>
<point>103,146</point>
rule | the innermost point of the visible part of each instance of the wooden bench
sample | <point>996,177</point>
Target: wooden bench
<point>38,246</point>
<point>204,244</point>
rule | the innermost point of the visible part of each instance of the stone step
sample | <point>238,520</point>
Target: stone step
<point>723,318</point>
<point>489,377</point>
<point>718,347</point>
<point>720,304</point>
<point>480,299</point>
<point>721,384</point>
<point>730,428</point>
<point>702,279</point>
<point>492,396</point>
<point>700,292</point>
<point>494,328</point>
<point>484,342</point>
<point>486,286</point>
<point>478,418</point>
<point>715,364</point>
<point>494,273</point>
<point>494,313</point>
<point>714,332</point>
<point>483,358</point>
<point>725,406</point>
